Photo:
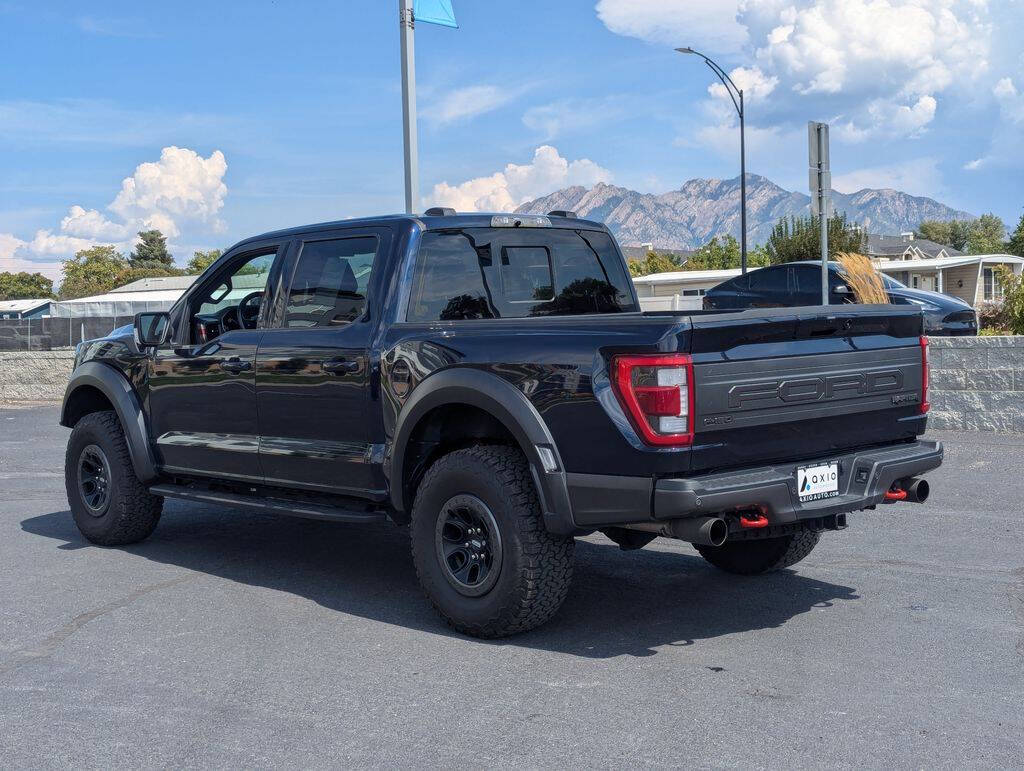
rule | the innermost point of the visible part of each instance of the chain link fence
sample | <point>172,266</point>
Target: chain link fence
<point>50,333</point>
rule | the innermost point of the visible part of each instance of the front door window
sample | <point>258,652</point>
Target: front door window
<point>232,300</point>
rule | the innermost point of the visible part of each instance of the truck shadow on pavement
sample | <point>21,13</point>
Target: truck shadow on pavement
<point>620,603</point>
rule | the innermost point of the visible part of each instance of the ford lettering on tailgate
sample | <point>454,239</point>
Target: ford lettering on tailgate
<point>755,392</point>
<point>810,389</point>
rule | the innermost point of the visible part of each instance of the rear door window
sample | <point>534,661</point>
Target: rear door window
<point>480,273</point>
<point>770,282</point>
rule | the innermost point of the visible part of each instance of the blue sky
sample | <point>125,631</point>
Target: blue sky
<point>218,120</point>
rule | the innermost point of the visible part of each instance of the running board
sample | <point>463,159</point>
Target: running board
<point>274,505</point>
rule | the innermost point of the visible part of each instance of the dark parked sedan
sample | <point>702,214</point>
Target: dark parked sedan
<point>799,283</point>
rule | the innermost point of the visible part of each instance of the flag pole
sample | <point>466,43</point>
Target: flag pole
<point>405,26</point>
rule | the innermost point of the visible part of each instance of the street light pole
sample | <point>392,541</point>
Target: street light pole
<point>736,94</point>
<point>406,24</point>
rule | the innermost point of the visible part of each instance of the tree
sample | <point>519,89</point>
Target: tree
<point>1016,243</point>
<point>799,238</point>
<point>983,235</point>
<point>988,234</point>
<point>92,271</point>
<point>151,251</point>
<point>722,255</point>
<point>652,263</point>
<point>934,230</point>
<point>959,232</point>
<point>25,286</point>
<point>201,261</point>
<point>715,255</point>
<point>102,268</point>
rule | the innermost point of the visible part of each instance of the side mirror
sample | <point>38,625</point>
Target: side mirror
<point>841,290</point>
<point>152,328</point>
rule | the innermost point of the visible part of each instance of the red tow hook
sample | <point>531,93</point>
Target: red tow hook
<point>754,521</point>
<point>895,495</point>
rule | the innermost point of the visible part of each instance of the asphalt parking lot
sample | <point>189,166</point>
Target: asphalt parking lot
<point>239,639</point>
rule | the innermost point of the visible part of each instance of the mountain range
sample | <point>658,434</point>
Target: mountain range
<point>688,217</point>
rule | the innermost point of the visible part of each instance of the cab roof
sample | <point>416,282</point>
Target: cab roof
<point>426,222</point>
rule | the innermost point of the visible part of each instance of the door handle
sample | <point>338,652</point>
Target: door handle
<point>340,366</point>
<point>234,365</point>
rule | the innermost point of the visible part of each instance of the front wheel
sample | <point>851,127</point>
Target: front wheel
<point>108,502</point>
<point>479,545</point>
<point>749,558</point>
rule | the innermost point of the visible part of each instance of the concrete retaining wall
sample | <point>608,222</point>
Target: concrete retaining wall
<point>34,376</point>
<point>977,383</point>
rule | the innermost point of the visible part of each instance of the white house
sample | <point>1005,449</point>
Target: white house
<point>678,290</point>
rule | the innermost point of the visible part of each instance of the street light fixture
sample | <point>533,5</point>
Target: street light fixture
<point>736,94</point>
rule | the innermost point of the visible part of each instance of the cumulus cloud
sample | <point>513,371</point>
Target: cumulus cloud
<point>882,65</point>
<point>1003,149</point>
<point>885,117</point>
<point>711,23</point>
<point>182,185</point>
<point>753,81</point>
<point>469,102</point>
<point>89,223</point>
<point>9,245</point>
<point>518,183</point>
<point>182,188</point>
<point>1011,101</point>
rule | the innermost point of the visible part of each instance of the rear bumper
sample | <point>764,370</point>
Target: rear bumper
<point>864,477</point>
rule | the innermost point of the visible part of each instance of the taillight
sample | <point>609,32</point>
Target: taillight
<point>924,374</point>
<point>657,393</point>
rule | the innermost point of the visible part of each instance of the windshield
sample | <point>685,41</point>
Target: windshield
<point>891,283</point>
<point>887,281</point>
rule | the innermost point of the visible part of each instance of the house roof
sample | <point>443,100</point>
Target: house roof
<point>169,295</point>
<point>891,246</point>
<point>20,306</point>
<point>159,284</point>
<point>686,276</point>
<point>941,263</point>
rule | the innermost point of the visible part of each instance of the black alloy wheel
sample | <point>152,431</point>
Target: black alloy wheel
<point>468,545</point>
<point>94,479</point>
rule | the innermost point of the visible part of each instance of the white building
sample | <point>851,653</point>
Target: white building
<point>970,277</point>
<point>678,290</point>
<point>146,294</point>
<point>24,309</point>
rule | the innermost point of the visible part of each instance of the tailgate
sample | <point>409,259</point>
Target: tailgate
<point>793,384</point>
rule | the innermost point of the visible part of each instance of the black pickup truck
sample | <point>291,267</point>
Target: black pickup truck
<point>489,381</point>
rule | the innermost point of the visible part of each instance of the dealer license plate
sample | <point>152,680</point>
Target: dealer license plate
<point>816,482</point>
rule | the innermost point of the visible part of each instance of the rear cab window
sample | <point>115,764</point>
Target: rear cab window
<point>487,273</point>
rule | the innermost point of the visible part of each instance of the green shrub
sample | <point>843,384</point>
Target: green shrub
<point>1013,299</point>
<point>992,315</point>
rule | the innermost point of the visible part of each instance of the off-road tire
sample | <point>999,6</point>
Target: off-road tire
<point>536,566</point>
<point>751,558</point>
<point>131,512</point>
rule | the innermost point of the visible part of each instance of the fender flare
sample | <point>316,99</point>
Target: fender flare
<point>120,393</point>
<point>512,409</point>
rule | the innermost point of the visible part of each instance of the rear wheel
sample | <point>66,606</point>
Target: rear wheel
<point>748,558</point>
<point>481,551</point>
<point>109,504</point>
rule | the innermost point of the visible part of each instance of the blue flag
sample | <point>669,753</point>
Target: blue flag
<point>435,12</point>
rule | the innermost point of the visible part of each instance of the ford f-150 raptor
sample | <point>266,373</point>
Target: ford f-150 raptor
<point>490,382</point>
